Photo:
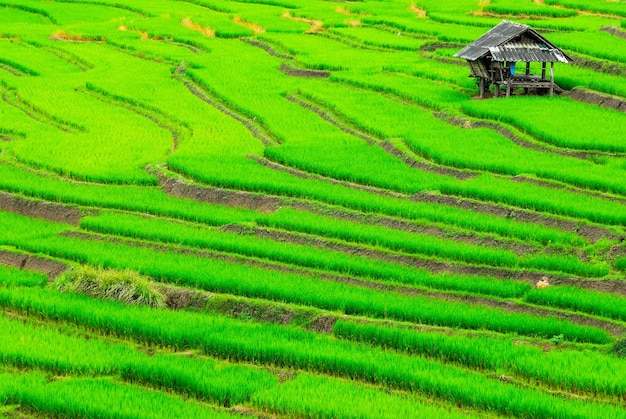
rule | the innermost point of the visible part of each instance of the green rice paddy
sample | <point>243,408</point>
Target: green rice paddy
<point>301,209</point>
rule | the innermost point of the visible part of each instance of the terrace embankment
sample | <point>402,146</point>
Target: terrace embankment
<point>306,175</point>
<point>342,123</point>
<point>416,227</point>
<point>182,299</point>
<point>265,46</point>
<point>510,135</point>
<point>434,266</point>
<point>252,124</point>
<point>590,232</point>
<point>599,99</point>
<point>39,209</point>
<point>303,72</point>
<point>49,267</point>
<point>178,188</point>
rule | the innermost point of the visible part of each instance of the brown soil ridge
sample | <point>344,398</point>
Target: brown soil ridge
<point>336,120</point>
<point>267,48</point>
<point>414,261</point>
<point>51,268</point>
<point>433,46</point>
<point>417,227</point>
<point>599,99</point>
<point>332,119</point>
<point>11,70</point>
<point>389,147</point>
<point>323,324</point>
<point>302,72</point>
<point>40,209</point>
<point>254,126</point>
<point>613,31</point>
<point>590,232</point>
<point>140,55</point>
<point>508,134</point>
<point>510,306</point>
<point>69,58</point>
<point>400,289</point>
<point>595,64</point>
<point>306,175</point>
<point>354,43</point>
<point>195,49</point>
<point>66,56</point>
<point>178,298</point>
<point>173,127</point>
<point>12,98</point>
<point>178,188</point>
<point>572,189</point>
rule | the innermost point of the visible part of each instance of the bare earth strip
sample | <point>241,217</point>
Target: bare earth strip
<point>49,267</point>
<point>503,305</point>
<point>40,209</point>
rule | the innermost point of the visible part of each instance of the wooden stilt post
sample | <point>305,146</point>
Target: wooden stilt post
<point>527,73</point>
<point>508,88</point>
<point>497,90</point>
<point>543,71</point>
<point>551,79</point>
<point>482,87</point>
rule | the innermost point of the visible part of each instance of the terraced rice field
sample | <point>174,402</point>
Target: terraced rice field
<point>298,208</point>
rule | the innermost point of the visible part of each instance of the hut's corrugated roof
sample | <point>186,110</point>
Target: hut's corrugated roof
<point>528,52</point>
<point>495,39</point>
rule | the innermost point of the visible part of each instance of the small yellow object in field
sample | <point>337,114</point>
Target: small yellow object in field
<point>544,283</point>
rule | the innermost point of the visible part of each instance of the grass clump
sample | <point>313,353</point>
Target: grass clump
<point>126,286</point>
<point>619,348</point>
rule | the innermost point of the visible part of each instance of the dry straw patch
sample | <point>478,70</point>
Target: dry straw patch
<point>255,28</point>
<point>186,22</point>
<point>354,22</point>
<point>143,35</point>
<point>419,12</point>
<point>316,25</point>
<point>344,11</point>
<point>61,35</point>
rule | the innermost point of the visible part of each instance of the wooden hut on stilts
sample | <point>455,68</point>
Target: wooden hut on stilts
<point>493,59</point>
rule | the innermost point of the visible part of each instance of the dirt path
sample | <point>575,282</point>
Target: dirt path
<point>352,249</point>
